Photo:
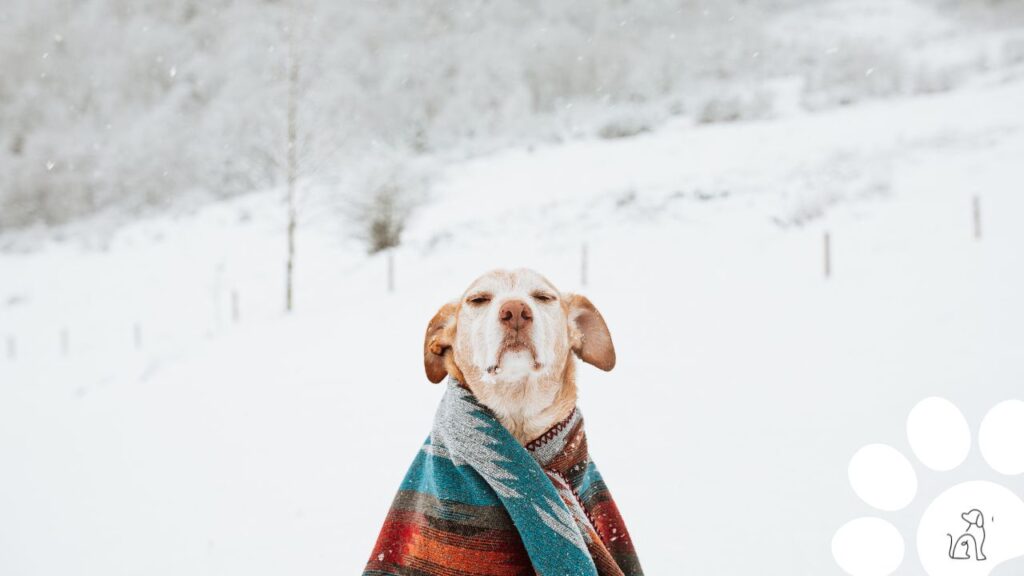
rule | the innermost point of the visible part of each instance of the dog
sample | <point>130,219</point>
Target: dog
<point>971,543</point>
<point>510,338</point>
<point>504,484</point>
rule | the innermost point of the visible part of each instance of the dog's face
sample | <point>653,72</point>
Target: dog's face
<point>514,327</point>
<point>510,325</point>
<point>974,518</point>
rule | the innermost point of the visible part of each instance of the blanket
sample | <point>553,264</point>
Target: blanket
<point>476,502</point>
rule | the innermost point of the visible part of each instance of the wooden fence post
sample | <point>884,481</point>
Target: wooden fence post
<point>828,255</point>
<point>236,311</point>
<point>977,217</point>
<point>583,265</point>
<point>391,270</point>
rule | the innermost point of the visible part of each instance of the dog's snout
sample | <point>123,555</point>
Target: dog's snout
<point>515,314</point>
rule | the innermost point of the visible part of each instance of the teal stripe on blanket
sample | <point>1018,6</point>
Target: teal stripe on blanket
<point>438,477</point>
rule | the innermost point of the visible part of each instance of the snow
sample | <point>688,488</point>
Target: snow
<point>746,379</point>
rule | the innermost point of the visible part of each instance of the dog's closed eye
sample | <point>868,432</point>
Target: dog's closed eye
<point>479,299</point>
<point>543,297</point>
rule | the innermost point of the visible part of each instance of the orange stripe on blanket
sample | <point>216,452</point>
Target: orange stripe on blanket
<point>484,563</point>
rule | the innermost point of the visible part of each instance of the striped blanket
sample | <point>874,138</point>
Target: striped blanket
<point>476,502</point>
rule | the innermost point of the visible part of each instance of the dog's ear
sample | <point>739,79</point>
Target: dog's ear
<point>588,334</point>
<point>438,342</point>
<point>974,517</point>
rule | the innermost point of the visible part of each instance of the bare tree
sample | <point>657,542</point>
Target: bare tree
<point>293,158</point>
<point>388,190</point>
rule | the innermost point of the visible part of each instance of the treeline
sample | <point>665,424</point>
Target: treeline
<point>139,104</point>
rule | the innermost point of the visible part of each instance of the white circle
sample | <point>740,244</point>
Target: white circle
<point>868,547</point>
<point>1001,437</point>
<point>883,477</point>
<point>938,434</point>
<point>951,514</point>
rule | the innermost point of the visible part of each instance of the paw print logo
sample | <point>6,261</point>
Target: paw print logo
<point>966,530</point>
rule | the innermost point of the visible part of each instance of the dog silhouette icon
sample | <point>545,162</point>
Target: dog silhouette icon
<point>970,544</point>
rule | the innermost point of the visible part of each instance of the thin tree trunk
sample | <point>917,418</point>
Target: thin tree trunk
<point>293,162</point>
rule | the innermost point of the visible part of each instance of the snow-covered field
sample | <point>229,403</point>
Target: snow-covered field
<point>143,430</point>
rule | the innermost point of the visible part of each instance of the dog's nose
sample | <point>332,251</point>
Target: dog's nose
<point>515,314</point>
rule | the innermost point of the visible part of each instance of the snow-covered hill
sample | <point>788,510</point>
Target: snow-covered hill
<point>144,429</point>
